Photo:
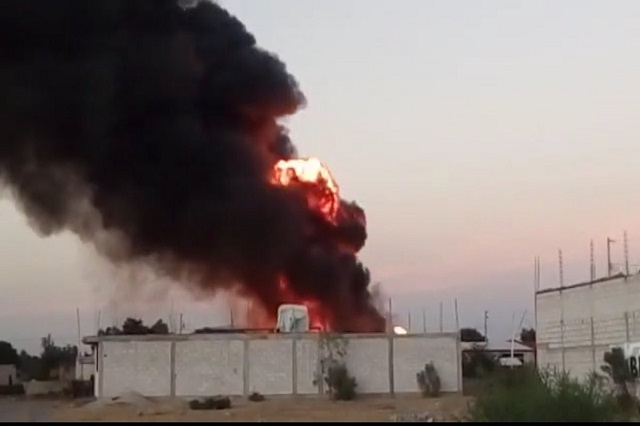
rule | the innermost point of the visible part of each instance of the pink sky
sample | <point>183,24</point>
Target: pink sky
<point>476,135</point>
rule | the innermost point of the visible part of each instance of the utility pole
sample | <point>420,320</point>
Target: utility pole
<point>535,285</point>
<point>424,322</point>
<point>609,264</point>
<point>561,267</point>
<point>592,262</point>
<point>79,345</point>
<point>440,317</point>
<point>486,321</point>
<point>455,307</point>
<point>626,254</point>
<point>390,318</point>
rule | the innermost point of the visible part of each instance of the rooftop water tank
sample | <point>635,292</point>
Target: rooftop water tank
<point>293,319</point>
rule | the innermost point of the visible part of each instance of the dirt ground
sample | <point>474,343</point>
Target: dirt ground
<point>444,408</point>
<point>18,409</point>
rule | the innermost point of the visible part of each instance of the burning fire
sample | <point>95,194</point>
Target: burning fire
<point>325,196</point>
<point>314,179</point>
<point>322,196</point>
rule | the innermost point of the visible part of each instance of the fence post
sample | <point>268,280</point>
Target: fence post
<point>319,363</point>
<point>245,366</point>
<point>626,326</point>
<point>593,344</point>
<point>294,364</point>
<point>172,362</point>
<point>100,364</point>
<point>391,361</point>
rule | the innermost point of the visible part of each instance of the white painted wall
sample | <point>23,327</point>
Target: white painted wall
<point>202,368</point>
<point>368,361</point>
<point>8,373</point>
<point>140,366</point>
<point>411,355</point>
<point>576,326</point>
<point>274,364</point>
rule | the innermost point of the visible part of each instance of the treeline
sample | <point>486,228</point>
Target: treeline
<point>133,326</point>
<point>39,367</point>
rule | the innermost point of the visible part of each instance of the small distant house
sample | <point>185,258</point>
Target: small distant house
<point>85,366</point>
<point>526,354</point>
<point>502,352</point>
<point>8,375</point>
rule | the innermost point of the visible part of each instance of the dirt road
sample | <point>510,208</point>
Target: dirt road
<point>445,408</point>
<point>25,410</point>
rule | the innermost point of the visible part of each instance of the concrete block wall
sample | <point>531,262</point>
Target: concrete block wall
<point>411,355</point>
<point>577,325</point>
<point>143,366</point>
<point>274,364</point>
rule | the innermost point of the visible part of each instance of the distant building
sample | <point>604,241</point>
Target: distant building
<point>577,324</point>
<point>85,366</point>
<point>524,353</point>
<point>8,375</point>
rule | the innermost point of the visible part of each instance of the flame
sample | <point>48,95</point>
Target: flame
<point>326,196</point>
<point>399,330</point>
<point>322,196</point>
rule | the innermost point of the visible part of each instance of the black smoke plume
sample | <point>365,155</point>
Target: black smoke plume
<point>156,125</point>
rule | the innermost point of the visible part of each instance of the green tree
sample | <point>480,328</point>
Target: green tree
<point>528,336</point>
<point>618,369</point>
<point>135,326</point>
<point>8,354</point>
<point>54,356</point>
<point>471,335</point>
<point>31,367</point>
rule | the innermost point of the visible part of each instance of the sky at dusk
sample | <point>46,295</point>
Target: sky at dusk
<point>475,134</point>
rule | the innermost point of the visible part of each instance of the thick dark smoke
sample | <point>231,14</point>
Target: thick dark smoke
<point>155,124</point>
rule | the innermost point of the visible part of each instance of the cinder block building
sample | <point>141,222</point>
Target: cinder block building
<point>577,324</point>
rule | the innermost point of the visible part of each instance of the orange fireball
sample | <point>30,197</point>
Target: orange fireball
<point>326,198</point>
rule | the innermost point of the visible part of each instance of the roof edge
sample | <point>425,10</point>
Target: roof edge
<point>584,284</point>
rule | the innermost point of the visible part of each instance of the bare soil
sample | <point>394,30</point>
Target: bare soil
<point>378,409</point>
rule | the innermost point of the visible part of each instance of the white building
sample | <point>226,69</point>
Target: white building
<point>272,364</point>
<point>577,324</point>
<point>8,375</point>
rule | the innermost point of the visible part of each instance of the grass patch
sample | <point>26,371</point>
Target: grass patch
<point>525,395</point>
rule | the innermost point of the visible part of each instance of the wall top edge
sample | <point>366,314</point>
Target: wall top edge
<point>92,340</point>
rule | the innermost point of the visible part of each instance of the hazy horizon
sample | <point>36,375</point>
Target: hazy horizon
<point>476,135</point>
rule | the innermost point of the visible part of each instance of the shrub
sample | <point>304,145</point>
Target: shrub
<point>429,381</point>
<point>11,390</point>
<point>619,371</point>
<point>211,403</point>
<point>341,385</point>
<point>476,362</point>
<point>524,395</point>
<point>256,397</point>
